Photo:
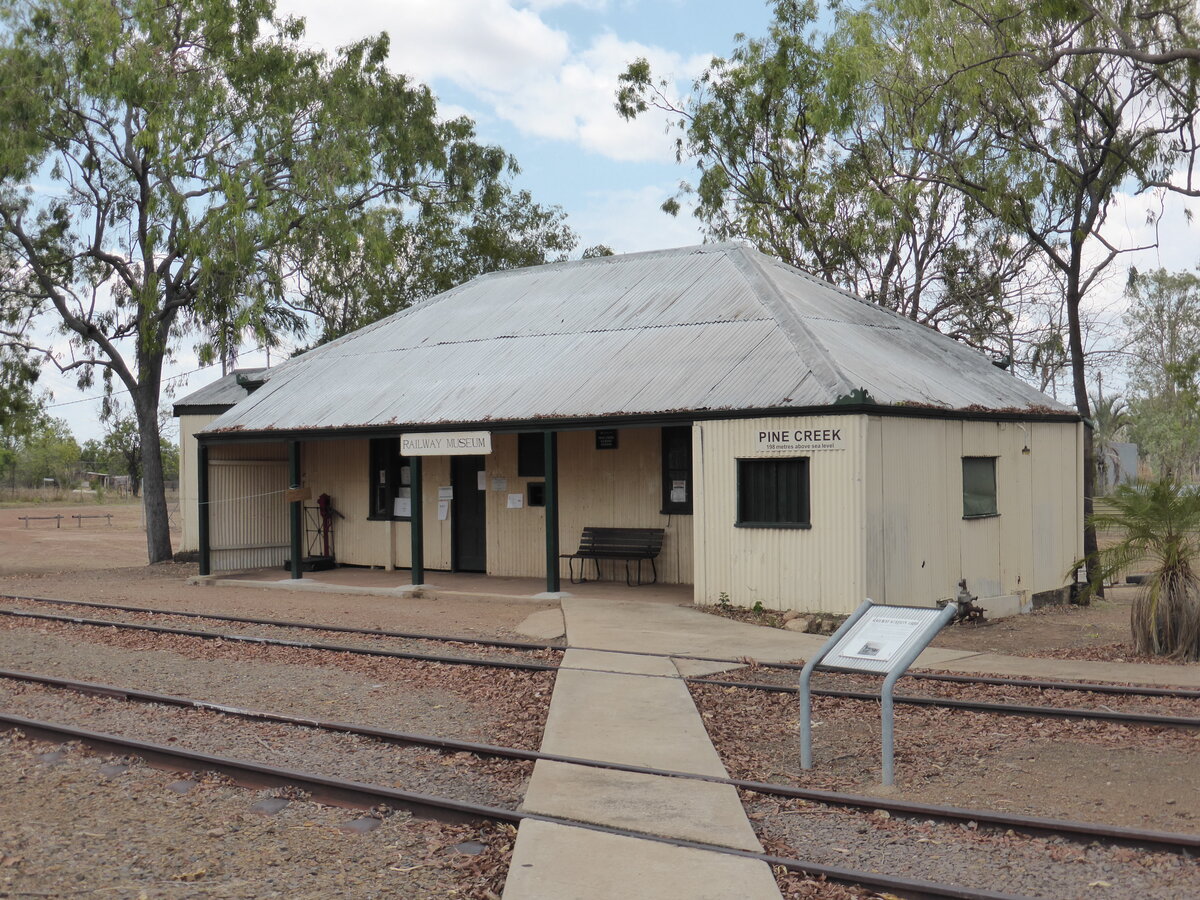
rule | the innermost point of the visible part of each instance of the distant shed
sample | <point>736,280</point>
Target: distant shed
<point>801,447</point>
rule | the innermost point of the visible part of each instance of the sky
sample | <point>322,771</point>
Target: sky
<point>538,77</point>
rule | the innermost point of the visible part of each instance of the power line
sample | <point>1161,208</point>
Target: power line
<point>126,390</point>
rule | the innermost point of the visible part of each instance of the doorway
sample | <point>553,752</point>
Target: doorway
<point>468,530</point>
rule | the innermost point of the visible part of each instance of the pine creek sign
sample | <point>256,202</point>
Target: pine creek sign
<point>446,443</point>
<point>801,439</point>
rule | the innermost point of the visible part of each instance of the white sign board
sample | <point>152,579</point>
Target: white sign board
<point>880,637</point>
<point>800,440</point>
<point>446,443</point>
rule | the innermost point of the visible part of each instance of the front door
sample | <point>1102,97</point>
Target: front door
<point>467,524</point>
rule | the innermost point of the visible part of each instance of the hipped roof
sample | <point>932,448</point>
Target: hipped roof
<point>708,329</point>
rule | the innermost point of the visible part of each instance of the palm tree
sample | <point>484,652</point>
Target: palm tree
<point>1110,415</point>
<point>1157,521</point>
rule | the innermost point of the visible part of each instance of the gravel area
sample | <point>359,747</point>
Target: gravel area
<point>303,635</point>
<point>1137,776</point>
<point>983,693</point>
<point>461,776</point>
<point>74,824</point>
<point>971,857</point>
<point>485,705</point>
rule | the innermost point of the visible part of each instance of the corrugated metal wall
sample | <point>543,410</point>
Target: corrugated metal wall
<point>816,569</point>
<point>189,526</point>
<point>248,513</point>
<point>919,544</point>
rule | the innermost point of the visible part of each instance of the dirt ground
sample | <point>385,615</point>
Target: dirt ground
<point>46,561</point>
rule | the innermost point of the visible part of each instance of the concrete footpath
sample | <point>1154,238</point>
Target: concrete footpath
<point>618,699</point>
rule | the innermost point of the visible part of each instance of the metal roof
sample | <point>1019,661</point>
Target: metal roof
<point>708,328</point>
<point>224,392</point>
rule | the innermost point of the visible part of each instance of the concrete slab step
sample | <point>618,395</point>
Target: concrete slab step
<point>560,862</point>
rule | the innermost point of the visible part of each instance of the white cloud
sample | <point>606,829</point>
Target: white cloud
<point>632,219</point>
<point>527,72</point>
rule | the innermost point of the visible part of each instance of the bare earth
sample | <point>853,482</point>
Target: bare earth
<point>67,828</point>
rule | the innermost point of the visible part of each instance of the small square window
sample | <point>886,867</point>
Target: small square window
<point>531,455</point>
<point>773,493</point>
<point>979,487</point>
<point>677,470</point>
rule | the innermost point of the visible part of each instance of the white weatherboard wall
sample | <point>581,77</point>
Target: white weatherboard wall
<point>189,537</point>
<point>819,569</point>
<point>620,487</point>
<point>605,488</point>
<point>919,545</point>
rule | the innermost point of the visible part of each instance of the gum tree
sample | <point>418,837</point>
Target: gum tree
<point>165,163</point>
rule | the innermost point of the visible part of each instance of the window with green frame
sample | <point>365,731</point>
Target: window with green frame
<point>773,493</point>
<point>979,487</point>
<point>388,476</point>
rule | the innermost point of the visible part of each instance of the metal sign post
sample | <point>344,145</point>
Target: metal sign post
<point>876,639</point>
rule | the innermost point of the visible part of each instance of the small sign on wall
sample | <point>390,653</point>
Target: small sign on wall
<point>606,439</point>
<point>446,443</point>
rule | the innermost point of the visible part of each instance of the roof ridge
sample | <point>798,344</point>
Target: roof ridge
<point>820,361</point>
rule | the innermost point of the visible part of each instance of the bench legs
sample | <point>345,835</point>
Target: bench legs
<point>582,579</point>
<point>640,583</point>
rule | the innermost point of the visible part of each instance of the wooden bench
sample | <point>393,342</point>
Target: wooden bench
<point>628,544</point>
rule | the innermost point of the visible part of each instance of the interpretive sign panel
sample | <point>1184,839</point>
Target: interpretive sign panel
<point>446,443</point>
<point>877,641</point>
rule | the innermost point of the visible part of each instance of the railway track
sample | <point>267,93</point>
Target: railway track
<point>1079,831</point>
<point>1041,684</point>
<point>347,792</point>
<point>1106,715</point>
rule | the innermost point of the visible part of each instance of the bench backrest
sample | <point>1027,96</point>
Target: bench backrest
<point>638,541</point>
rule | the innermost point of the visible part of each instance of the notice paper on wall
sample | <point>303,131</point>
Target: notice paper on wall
<point>679,492</point>
<point>516,501</point>
<point>481,480</point>
<point>406,474</point>
<point>445,493</point>
<point>499,484</point>
<point>443,510</point>
<point>403,504</point>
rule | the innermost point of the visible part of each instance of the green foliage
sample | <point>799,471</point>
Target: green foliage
<point>203,174</point>
<point>1164,374</point>
<point>43,448</point>
<point>1110,416</point>
<point>1156,522</point>
<point>799,152</point>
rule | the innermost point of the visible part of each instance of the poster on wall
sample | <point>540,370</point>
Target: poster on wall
<point>516,501</point>
<point>443,510</point>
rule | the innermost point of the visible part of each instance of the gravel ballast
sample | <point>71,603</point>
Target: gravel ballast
<point>471,703</point>
<point>77,824</point>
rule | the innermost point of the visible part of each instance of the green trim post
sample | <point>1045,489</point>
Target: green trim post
<point>202,512</point>
<point>550,443</point>
<point>297,508</point>
<point>417,523</point>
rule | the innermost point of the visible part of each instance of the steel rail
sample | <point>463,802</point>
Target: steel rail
<point>278,642</point>
<point>1082,831</point>
<point>977,706</point>
<point>1088,687</point>
<point>1062,712</point>
<point>364,795</point>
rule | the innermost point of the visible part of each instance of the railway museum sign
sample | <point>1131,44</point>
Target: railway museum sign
<point>446,443</point>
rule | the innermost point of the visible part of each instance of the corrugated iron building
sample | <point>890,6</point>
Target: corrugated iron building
<point>800,447</point>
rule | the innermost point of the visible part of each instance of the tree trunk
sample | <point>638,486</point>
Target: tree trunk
<point>154,497</point>
<point>1083,405</point>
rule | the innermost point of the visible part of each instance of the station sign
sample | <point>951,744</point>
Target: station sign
<point>800,440</point>
<point>446,443</point>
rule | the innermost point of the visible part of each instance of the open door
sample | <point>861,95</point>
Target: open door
<point>468,526</point>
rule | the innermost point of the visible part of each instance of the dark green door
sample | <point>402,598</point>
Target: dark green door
<point>467,520</point>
